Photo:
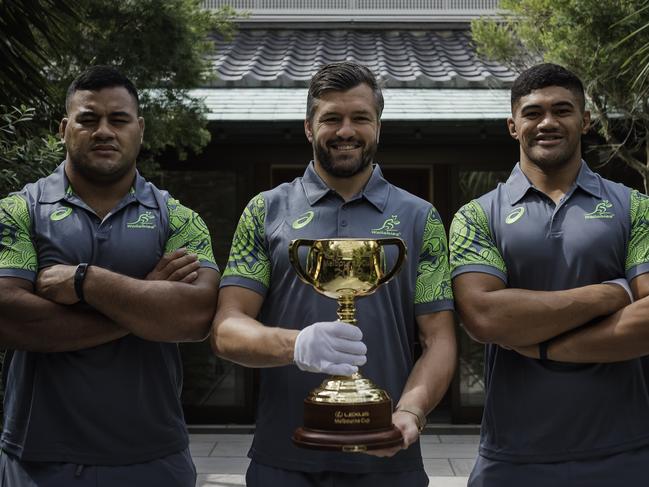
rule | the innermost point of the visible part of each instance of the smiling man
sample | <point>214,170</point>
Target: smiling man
<point>268,318</point>
<point>529,262</point>
<point>101,273</point>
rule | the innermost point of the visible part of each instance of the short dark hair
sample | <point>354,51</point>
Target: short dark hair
<point>544,75</point>
<point>97,77</point>
<point>342,76</point>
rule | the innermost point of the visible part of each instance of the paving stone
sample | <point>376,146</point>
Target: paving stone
<point>436,467</point>
<point>448,481</point>
<point>449,450</point>
<point>460,438</point>
<point>218,480</point>
<point>462,466</point>
<point>221,465</point>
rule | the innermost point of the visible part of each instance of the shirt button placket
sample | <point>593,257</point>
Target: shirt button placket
<point>342,221</point>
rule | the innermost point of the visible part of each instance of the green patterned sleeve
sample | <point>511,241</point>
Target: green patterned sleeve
<point>433,288</point>
<point>187,229</point>
<point>249,264</point>
<point>472,246</point>
<point>18,257</point>
<point>637,256</point>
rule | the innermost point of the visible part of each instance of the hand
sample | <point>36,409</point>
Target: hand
<point>176,266</point>
<point>56,283</point>
<point>622,282</point>
<point>407,424</point>
<point>330,347</point>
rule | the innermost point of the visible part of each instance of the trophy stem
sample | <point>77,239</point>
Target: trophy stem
<point>346,309</point>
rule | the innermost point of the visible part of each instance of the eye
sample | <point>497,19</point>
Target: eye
<point>329,120</point>
<point>87,120</point>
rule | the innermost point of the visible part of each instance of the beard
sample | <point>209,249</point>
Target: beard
<point>345,166</point>
<point>98,173</point>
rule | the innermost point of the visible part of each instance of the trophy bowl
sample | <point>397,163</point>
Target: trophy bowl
<point>349,414</point>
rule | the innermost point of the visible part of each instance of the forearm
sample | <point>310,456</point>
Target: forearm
<point>621,336</point>
<point>433,371</point>
<point>241,339</point>
<point>165,311</point>
<point>31,323</point>
<point>519,317</point>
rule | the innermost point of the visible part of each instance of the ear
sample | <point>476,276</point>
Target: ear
<point>140,121</point>
<point>308,130</point>
<point>586,122</point>
<point>511,126</point>
<point>62,126</point>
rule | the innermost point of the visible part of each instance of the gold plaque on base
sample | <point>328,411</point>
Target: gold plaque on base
<point>349,414</point>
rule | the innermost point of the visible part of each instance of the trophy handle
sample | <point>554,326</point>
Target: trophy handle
<point>293,248</point>
<point>397,265</point>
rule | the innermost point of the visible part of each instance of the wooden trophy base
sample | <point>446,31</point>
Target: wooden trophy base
<point>347,414</point>
<point>351,441</point>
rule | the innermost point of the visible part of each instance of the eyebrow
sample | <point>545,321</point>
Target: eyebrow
<point>117,113</point>
<point>535,106</point>
<point>357,112</point>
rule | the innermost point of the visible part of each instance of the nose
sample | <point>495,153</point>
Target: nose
<point>103,130</point>
<point>346,129</point>
<point>548,122</point>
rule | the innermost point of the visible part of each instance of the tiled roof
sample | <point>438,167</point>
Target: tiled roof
<point>401,104</point>
<point>401,58</point>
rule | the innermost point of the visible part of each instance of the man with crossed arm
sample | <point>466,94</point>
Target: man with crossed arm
<point>528,262</point>
<point>93,309</point>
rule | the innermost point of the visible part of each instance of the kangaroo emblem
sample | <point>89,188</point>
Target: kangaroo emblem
<point>601,211</point>
<point>388,227</point>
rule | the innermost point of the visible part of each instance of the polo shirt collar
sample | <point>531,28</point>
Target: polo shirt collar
<point>588,181</point>
<point>375,191</point>
<point>58,188</point>
<point>518,185</point>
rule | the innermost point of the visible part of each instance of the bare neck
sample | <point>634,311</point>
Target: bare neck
<point>100,197</point>
<point>554,182</point>
<point>346,187</point>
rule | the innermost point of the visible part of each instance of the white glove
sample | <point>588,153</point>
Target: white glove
<point>331,347</point>
<point>623,284</point>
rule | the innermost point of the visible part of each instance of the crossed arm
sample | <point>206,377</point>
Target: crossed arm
<point>516,318</point>
<point>175,303</point>
<point>623,335</point>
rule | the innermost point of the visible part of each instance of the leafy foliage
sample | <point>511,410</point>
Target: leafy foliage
<point>28,39</point>
<point>595,39</point>
<point>23,155</point>
<point>164,46</point>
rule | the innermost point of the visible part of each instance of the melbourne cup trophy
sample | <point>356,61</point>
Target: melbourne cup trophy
<point>349,414</point>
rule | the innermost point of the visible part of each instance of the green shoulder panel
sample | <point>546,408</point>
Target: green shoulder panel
<point>638,250</point>
<point>433,275</point>
<point>187,229</point>
<point>471,242</point>
<point>16,247</point>
<point>248,255</point>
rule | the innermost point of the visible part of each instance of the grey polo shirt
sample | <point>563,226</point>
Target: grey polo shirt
<point>117,403</point>
<point>307,208</point>
<point>537,412</point>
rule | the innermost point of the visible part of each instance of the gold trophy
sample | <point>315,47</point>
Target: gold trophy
<point>349,414</point>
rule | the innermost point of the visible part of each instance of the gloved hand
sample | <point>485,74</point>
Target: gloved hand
<point>331,347</point>
<point>622,282</point>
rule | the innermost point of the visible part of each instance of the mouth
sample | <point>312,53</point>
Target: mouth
<point>345,146</point>
<point>548,140</point>
<point>103,148</point>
